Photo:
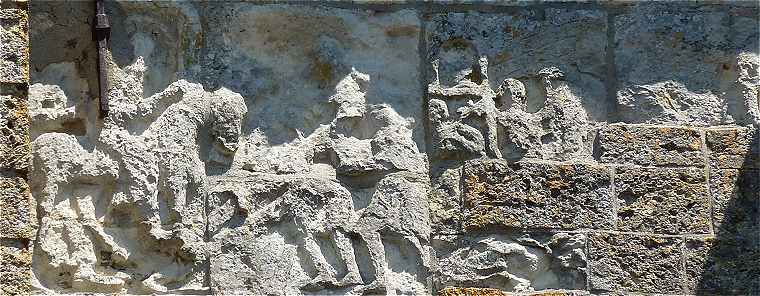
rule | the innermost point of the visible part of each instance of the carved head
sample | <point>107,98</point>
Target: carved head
<point>227,111</point>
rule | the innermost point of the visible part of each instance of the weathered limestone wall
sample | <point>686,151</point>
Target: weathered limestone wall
<point>17,219</point>
<point>490,148</point>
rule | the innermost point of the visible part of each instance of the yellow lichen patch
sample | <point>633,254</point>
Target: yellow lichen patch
<point>484,216</point>
<point>475,188</point>
<point>457,291</point>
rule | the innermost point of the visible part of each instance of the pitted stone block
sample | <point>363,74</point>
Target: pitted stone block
<point>733,147</point>
<point>469,291</point>
<point>517,262</point>
<point>651,145</point>
<point>15,257</point>
<point>16,283</point>
<point>635,263</point>
<point>537,195</point>
<point>14,40</point>
<point>14,128</point>
<point>722,265</point>
<point>17,218</point>
<point>669,201</point>
<point>735,203</point>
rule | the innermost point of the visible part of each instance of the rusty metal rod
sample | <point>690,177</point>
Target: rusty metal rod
<point>102,32</point>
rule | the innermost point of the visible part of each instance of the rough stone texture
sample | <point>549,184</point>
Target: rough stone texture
<point>299,234</point>
<point>736,203</point>
<point>17,216</point>
<point>669,201</point>
<point>679,64</point>
<point>378,148</point>
<point>722,265</point>
<point>651,145</point>
<point>635,263</point>
<point>515,85</point>
<point>458,291</point>
<point>14,128</point>
<point>14,50</point>
<point>733,147</point>
<point>519,262</point>
<point>537,195</point>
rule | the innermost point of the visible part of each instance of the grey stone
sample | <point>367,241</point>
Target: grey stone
<point>733,147</point>
<point>445,199</point>
<point>537,195</point>
<point>635,263</point>
<point>512,263</point>
<point>670,201</point>
<point>521,44</point>
<point>14,46</point>
<point>17,214</point>
<point>735,202</point>
<point>295,234</point>
<point>14,129</point>
<point>548,89</point>
<point>645,145</point>
<point>723,265</point>
<point>676,63</point>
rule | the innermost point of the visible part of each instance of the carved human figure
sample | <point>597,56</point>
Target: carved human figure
<point>558,130</point>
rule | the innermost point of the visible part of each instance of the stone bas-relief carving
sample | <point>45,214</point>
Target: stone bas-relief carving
<point>183,192</point>
<point>304,149</point>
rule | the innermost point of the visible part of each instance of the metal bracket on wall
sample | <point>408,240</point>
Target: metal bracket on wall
<point>102,32</point>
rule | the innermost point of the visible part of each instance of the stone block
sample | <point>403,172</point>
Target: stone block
<point>722,265</point>
<point>537,195</point>
<point>668,201</point>
<point>14,41</point>
<point>17,218</point>
<point>445,199</point>
<point>16,283</point>
<point>733,147</point>
<point>517,262</point>
<point>635,263</point>
<point>14,128</point>
<point>468,291</point>
<point>14,256</point>
<point>650,145</point>
<point>735,202</point>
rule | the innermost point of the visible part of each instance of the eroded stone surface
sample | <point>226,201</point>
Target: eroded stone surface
<point>676,63</point>
<point>298,234</point>
<point>17,215</point>
<point>672,201</point>
<point>722,265</point>
<point>497,88</point>
<point>635,263</point>
<point>651,145</point>
<point>537,195</point>
<point>307,149</point>
<point>516,263</point>
<point>14,51</point>
<point>736,203</point>
<point>733,147</point>
<point>14,128</point>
